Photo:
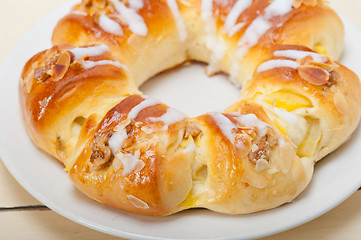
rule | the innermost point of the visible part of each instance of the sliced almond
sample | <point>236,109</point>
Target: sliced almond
<point>136,202</point>
<point>311,3</point>
<point>117,164</point>
<point>254,148</point>
<point>87,3</point>
<point>254,179</point>
<point>140,165</point>
<point>76,66</point>
<point>122,125</point>
<point>297,3</point>
<point>329,66</point>
<point>333,89</point>
<point>287,155</point>
<point>147,129</point>
<point>305,60</point>
<point>340,102</point>
<point>240,147</point>
<point>64,59</point>
<point>52,51</point>
<point>61,66</point>
<point>314,75</point>
<point>261,165</point>
<point>283,156</point>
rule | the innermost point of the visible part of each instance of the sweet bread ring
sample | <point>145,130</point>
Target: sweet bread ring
<point>81,103</point>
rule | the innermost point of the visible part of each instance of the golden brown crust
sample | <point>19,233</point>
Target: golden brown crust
<point>250,176</point>
<point>134,153</point>
<point>47,102</point>
<point>163,171</point>
<point>331,102</point>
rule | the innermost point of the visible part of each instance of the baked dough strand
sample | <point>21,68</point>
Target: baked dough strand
<point>81,103</point>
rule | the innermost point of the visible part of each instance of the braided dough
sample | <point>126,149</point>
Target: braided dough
<point>81,103</point>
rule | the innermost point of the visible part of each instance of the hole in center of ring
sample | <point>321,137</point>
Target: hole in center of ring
<point>188,89</point>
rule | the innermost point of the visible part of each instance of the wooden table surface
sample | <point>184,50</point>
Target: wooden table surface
<point>24,217</point>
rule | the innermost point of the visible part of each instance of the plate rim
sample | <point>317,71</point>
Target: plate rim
<point>43,199</point>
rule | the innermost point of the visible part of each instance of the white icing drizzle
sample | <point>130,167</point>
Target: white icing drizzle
<point>173,6</point>
<point>109,25</point>
<point>91,64</point>
<point>136,4</point>
<point>207,9</point>
<point>296,125</point>
<point>132,18</point>
<point>117,139</point>
<point>297,54</point>
<point>170,117</point>
<point>230,25</point>
<point>278,8</point>
<point>148,102</point>
<point>290,118</point>
<point>262,24</point>
<point>77,12</point>
<point>214,43</point>
<point>226,126</point>
<point>277,63</point>
<point>137,202</point>
<point>254,32</point>
<point>131,162</point>
<point>80,52</point>
<point>251,120</point>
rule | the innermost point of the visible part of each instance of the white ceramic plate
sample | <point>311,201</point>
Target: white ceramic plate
<point>336,177</point>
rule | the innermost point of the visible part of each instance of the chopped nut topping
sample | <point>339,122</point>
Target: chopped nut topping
<point>97,6</point>
<point>41,74</point>
<point>101,152</point>
<point>94,3</point>
<point>334,79</point>
<point>191,130</point>
<point>96,18</point>
<point>56,66</point>
<point>261,148</point>
<point>314,75</point>
<point>60,146</point>
<point>254,148</point>
<point>76,65</point>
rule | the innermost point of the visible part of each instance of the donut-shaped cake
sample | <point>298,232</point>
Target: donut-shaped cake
<point>81,103</point>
